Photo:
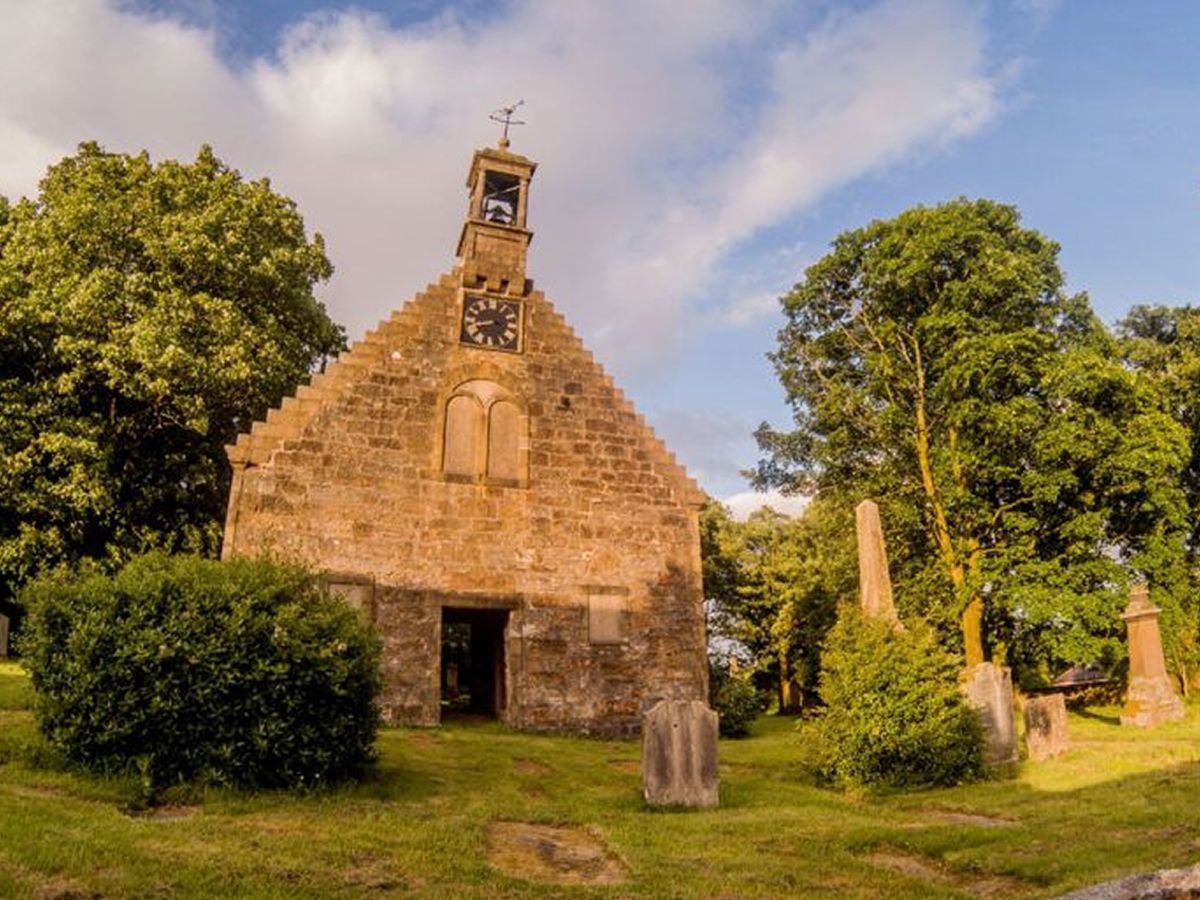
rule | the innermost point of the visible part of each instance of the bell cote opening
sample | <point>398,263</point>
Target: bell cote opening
<point>501,198</point>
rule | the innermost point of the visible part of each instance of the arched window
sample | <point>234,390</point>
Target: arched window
<point>464,428</point>
<point>504,426</point>
<point>483,438</point>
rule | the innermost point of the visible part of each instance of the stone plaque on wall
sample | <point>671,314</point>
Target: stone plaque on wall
<point>604,619</point>
<point>359,594</point>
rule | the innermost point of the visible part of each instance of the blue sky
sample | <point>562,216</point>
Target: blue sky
<point>694,157</point>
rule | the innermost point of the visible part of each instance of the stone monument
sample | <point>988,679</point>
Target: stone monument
<point>875,584</point>
<point>988,689</point>
<point>3,636</point>
<point>1151,697</point>
<point>1046,727</point>
<point>679,754</point>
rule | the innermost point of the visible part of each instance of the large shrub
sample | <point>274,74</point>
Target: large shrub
<point>237,672</point>
<point>894,714</point>
<point>734,698</point>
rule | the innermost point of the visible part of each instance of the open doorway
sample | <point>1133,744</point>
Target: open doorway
<point>472,684</point>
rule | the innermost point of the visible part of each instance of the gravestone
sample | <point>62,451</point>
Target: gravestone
<point>875,584</point>
<point>679,754</point>
<point>1151,697</point>
<point>3,636</point>
<point>1046,727</point>
<point>988,689</point>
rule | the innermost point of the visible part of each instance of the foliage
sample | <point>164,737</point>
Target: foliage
<point>773,583</point>
<point>148,312</point>
<point>1163,345</point>
<point>240,672</point>
<point>894,714</point>
<point>15,692</point>
<point>933,363</point>
<point>734,698</point>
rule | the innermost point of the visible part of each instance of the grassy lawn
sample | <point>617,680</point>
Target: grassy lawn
<point>1118,803</point>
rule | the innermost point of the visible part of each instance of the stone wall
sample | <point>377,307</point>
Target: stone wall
<point>348,476</point>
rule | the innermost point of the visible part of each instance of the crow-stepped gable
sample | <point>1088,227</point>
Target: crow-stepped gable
<point>472,481</point>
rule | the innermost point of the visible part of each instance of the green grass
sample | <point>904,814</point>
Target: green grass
<point>15,692</point>
<point>1119,802</point>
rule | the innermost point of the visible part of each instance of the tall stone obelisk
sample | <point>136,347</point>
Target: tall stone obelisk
<point>1151,697</point>
<point>874,581</point>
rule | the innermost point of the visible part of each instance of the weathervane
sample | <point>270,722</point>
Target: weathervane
<point>504,115</point>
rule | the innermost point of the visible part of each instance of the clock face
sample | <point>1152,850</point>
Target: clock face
<point>489,322</point>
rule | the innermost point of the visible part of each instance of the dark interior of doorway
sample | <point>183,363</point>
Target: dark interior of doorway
<point>473,663</point>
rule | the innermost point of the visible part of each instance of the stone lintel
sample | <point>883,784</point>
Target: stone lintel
<point>499,161</point>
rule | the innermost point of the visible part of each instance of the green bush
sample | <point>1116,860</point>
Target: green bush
<point>181,668</point>
<point>894,714</point>
<point>735,700</point>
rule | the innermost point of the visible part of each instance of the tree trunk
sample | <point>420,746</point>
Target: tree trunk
<point>972,631</point>
<point>971,621</point>
<point>787,693</point>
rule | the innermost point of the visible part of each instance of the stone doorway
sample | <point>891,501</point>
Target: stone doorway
<point>473,665</point>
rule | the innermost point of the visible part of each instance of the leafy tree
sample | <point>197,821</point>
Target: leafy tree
<point>734,698</point>
<point>934,363</point>
<point>148,312</point>
<point>773,583</point>
<point>1163,343</point>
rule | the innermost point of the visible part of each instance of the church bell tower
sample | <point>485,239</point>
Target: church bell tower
<point>494,240</point>
<point>492,247</point>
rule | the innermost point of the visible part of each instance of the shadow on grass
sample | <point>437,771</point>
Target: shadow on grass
<point>1097,716</point>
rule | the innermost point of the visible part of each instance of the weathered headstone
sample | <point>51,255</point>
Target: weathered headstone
<point>1046,726</point>
<point>1151,697</point>
<point>875,584</point>
<point>679,754</point>
<point>3,636</point>
<point>988,689</point>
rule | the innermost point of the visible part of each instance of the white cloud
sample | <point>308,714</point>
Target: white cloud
<point>1041,10</point>
<point>746,502</point>
<point>667,138</point>
<point>746,309</point>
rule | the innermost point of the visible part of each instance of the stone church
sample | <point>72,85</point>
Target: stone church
<point>471,480</point>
